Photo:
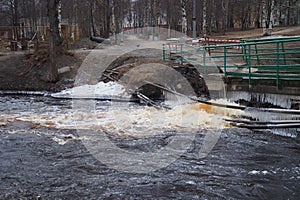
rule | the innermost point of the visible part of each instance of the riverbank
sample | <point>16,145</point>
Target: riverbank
<point>16,73</point>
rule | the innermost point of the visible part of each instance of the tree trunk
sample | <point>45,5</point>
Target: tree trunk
<point>264,20</point>
<point>107,18</point>
<point>155,13</point>
<point>225,9</point>
<point>204,18</point>
<point>258,15</point>
<point>184,23</point>
<point>271,17</point>
<point>15,18</point>
<point>288,13</point>
<point>94,32</point>
<point>55,40</point>
<point>114,22</point>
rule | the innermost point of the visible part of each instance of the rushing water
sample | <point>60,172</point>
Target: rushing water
<point>42,154</point>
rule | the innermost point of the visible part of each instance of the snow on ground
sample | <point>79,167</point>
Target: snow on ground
<point>110,89</point>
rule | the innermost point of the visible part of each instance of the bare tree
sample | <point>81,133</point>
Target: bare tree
<point>267,20</point>
<point>271,21</point>
<point>104,17</point>
<point>258,13</point>
<point>107,18</point>
<point>225,14</point>
<point>204,18</point>
<point>55,40</point>
<point>114,21</point>
<point>92,11</point>
<point>184,23</point>
<point>14,13</point>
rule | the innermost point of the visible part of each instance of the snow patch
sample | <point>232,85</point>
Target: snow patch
<point>110,89</point>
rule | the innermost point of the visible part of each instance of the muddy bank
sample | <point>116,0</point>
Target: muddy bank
<point>16,73</point>
<point>136,67</point>
<point>25,71</point>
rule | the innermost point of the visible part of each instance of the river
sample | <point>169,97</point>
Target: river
<point>44,157</point>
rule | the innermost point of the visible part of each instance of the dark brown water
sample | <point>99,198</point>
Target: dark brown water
<point>243,165</point>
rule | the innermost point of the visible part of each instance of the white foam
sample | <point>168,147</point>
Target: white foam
<point>139,121</point>
<point>255,172</point>
<point>110,89</point>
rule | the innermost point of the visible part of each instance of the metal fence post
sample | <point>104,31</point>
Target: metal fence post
<point>164,52</point>
<point>277,63</point>
<point>249,64</point>
<point>204,62</point>
<point>181,53</point>
<point>225,61</point>
<point>283,50</point>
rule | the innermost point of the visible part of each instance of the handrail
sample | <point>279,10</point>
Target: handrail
<point>270,39</point>
<point>257,57</point>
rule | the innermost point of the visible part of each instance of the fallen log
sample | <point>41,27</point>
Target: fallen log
<point>151,102</point>
<point>273,122</point>
<point>33,93</point>
<point>100,40</point>
<point>275,110</point>
<point>268,126</point>
<point>270,110</point>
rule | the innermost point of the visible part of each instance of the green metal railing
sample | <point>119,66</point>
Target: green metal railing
<point>272,58</point>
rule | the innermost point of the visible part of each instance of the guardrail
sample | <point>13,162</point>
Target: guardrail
<point>267,58</point>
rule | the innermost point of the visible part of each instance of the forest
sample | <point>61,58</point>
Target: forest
<point>106,17</point>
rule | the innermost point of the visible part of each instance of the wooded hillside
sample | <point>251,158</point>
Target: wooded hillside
<point>105,17</point>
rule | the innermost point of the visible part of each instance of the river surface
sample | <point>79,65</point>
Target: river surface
<point>44,157</point>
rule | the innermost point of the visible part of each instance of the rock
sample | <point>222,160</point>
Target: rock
<point>64,70</point>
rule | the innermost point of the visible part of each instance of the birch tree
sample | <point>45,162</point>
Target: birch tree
<point>271,17</point>
<point>204,18</point>
<point>268,9</point>
<point>264,17</point>
<point>114,21</point>
<point>184,23</point>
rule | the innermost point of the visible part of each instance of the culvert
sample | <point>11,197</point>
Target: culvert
<point>134,69</point>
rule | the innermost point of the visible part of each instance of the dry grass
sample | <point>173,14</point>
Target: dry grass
<point>288,31</point>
